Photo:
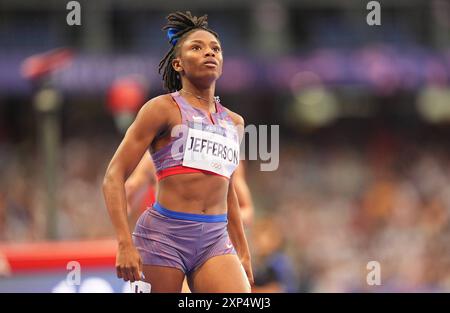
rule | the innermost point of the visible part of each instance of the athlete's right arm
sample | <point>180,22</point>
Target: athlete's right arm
<point>150,121</point>
<point>137,186</point>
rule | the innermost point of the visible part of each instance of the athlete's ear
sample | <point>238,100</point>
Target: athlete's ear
<point>176,64</point>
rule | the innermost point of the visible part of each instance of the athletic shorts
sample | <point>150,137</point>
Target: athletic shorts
<point>181,240</point>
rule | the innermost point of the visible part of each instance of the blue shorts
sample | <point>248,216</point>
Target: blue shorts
<point>181,240</point>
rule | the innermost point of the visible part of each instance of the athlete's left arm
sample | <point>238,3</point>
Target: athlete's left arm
<point>244,196</point>
<point>235,225</point>
<point>236,231</point>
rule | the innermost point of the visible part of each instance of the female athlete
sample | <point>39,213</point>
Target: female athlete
<point>194,228</point>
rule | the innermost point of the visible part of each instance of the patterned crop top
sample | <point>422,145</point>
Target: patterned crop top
<point>199,145</point>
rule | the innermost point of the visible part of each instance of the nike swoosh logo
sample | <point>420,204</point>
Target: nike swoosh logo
<point>229,245</point>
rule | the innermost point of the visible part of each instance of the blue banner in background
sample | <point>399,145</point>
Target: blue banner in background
<point>374,67</point>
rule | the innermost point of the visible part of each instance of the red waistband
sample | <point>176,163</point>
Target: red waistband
<point>180,169</point>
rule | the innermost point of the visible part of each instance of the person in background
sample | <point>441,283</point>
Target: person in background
<point>274,272</point>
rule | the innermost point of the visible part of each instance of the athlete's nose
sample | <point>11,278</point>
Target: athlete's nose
<point>210,52</point>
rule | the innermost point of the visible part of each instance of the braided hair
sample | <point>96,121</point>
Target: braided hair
<point>179,24</point>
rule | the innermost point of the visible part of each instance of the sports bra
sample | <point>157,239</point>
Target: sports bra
<point>199,145</point>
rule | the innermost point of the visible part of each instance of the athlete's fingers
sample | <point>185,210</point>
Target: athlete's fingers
<point>118,272</point>
<point>134,272</point>
<point>125,274</point>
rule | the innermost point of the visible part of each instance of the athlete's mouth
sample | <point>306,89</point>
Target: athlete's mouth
<point>210,62</point>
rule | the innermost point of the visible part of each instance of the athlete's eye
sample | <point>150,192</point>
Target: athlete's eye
<point>196,48</point>
<point>217,49</point>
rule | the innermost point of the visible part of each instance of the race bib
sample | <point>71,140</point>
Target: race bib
<point>211,152</point>
<point>140,286</point>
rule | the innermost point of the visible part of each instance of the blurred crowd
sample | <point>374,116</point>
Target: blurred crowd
<point>81,210</point>
<point>330,208</point>
<point>340,206</point>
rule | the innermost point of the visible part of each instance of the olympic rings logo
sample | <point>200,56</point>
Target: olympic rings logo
<point>216,165</point>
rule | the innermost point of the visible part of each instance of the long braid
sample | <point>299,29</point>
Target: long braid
<point>184,23</point>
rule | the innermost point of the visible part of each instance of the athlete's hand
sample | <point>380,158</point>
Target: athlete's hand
<point>128,263</point>
<point>247,265</point>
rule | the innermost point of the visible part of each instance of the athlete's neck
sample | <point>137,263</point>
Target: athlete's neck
<point>204,96</point>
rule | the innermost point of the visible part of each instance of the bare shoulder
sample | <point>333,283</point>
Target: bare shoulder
<point>155,115</point>
<point>237,119</point>
<point>163,104</point>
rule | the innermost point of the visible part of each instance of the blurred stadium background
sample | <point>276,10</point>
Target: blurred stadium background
<point>364,113</point>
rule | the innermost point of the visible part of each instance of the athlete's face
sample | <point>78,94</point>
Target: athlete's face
<point>199,57</point>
